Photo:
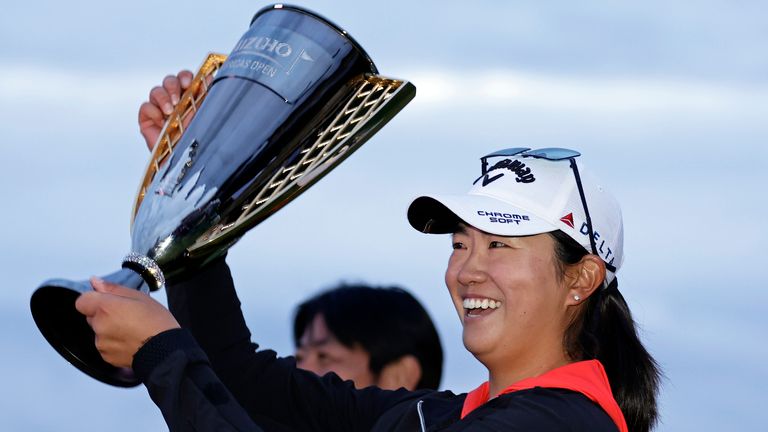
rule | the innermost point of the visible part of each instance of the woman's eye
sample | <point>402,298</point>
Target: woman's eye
<point>458,245</point>
<point>496,244</point>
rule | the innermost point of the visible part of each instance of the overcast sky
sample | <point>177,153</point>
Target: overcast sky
<point>666,100</point>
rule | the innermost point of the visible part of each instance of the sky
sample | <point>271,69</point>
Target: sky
<point>667,102</point>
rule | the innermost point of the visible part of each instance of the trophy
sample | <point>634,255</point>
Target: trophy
<point>295,97</point>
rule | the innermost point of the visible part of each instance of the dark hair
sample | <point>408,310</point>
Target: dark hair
<point>386,322</point>
<point>606,331</point>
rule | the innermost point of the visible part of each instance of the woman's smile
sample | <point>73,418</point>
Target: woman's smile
<point>479,306</point>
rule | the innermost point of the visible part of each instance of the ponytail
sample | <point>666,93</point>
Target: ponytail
<point>606,331</point>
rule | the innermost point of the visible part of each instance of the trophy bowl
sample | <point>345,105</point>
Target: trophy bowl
<point>294,98</point>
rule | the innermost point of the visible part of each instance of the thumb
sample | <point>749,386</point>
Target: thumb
<point>102,286</point>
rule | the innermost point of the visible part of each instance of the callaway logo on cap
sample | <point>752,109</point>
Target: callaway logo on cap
<point>523,192</point>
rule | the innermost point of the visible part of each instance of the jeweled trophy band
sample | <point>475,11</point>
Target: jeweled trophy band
<point>294,98</point>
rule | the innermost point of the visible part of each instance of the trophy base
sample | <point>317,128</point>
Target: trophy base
<point>53,308</point>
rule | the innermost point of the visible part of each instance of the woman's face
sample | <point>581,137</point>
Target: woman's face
<point>509,297</point>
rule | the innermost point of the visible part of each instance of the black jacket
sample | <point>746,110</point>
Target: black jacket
<point>235,387</point>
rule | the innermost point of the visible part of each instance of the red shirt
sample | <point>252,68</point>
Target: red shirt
<point>585,377</point>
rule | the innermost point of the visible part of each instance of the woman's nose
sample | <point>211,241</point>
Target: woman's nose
<point>472,270</point>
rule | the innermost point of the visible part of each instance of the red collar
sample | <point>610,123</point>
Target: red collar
<point>585,377</point>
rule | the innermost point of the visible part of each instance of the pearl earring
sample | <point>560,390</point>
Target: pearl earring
<point>577,298</point>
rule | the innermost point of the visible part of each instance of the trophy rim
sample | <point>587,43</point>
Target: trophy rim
<point>326,21</point>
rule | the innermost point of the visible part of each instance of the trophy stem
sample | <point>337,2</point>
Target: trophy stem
<point>53,308</point>
<point>147,268</point>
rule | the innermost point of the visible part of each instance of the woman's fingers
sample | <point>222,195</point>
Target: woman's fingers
<point>162,100</point>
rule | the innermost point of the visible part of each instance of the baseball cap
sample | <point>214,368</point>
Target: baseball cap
<point>521,192</point>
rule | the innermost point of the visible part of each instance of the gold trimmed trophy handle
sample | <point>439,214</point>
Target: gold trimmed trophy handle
<point>174,125</point>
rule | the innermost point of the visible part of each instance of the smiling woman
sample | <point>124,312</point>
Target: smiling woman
<point>537,308</point>
<point>538,299</point>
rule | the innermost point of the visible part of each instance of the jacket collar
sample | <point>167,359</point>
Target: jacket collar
<point>585,377</point>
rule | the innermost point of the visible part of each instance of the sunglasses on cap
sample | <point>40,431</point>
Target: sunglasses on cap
<point>554,154</point>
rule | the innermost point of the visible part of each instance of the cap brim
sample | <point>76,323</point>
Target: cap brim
<point>440,214</point>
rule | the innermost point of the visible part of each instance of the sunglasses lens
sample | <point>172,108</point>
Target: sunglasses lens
<point>553,153</point>
<point>508,152</point>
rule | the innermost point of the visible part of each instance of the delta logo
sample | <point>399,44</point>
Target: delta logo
<point>568,220</point>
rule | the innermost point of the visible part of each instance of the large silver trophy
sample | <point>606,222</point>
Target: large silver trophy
<point>295,97</point>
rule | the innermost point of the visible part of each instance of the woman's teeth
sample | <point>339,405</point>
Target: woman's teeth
<point>476,303</point>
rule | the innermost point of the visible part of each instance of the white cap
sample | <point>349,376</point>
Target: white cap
<point>522,195</point>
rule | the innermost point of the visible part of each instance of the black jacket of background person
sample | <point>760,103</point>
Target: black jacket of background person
<point>240,387</point>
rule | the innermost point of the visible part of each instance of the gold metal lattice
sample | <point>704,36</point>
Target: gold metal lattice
<point>363,113</point>
<point>373,91</point>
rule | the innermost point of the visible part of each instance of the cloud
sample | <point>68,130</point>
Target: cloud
<point>37,85</point>
<point>511,88</point>
<point>437,87</point>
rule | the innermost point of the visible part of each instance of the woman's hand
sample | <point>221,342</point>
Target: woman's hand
<point>162,99</point>
<point>123,319</point>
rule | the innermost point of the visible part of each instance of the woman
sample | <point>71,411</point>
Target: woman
<point>529,212</point>
<point>536,243</point>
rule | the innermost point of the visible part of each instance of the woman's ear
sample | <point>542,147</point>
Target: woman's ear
<point>403,372</point>
<point>584,278</point>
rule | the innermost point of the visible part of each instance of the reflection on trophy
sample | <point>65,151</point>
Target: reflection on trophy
<point>295,97</point>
